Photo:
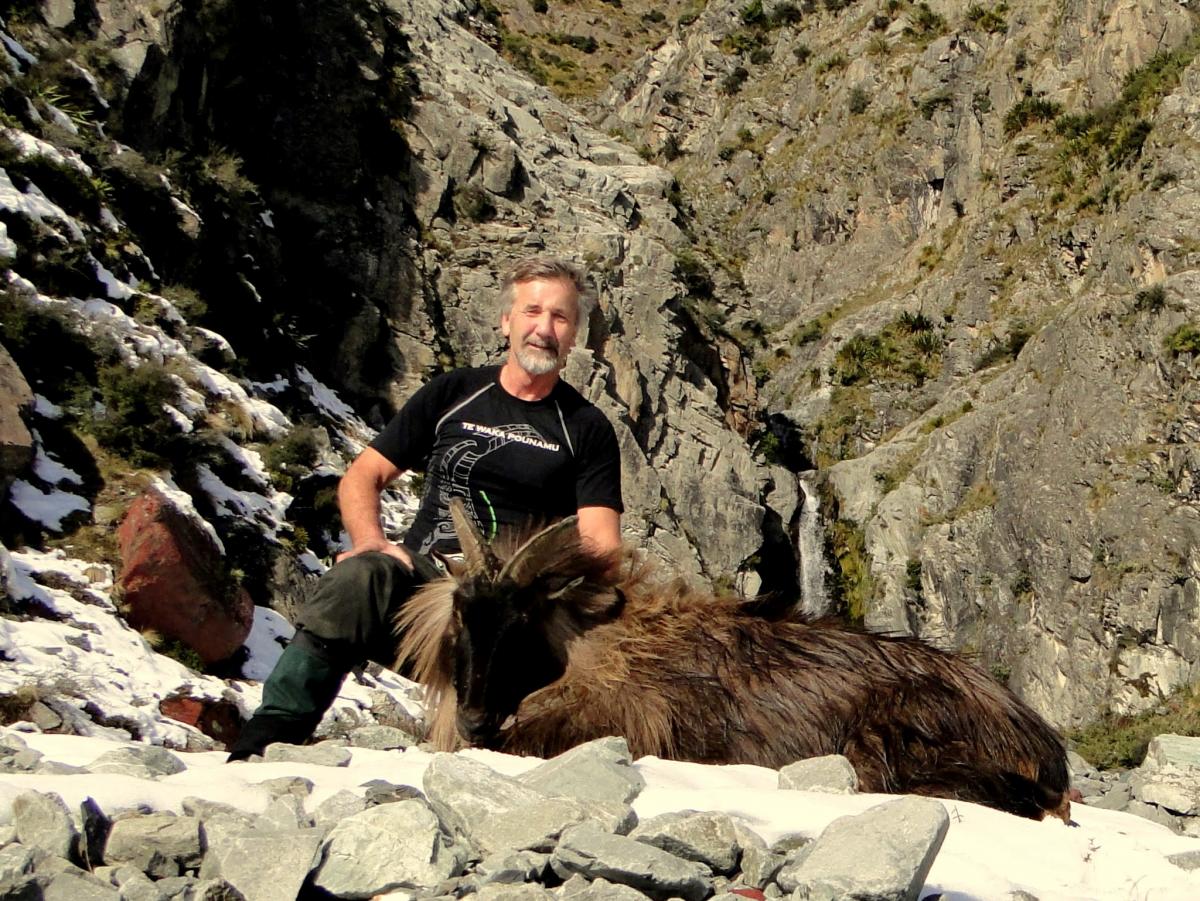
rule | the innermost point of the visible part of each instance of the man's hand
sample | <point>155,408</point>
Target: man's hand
<point>383,546</point>
<point>358,500</point>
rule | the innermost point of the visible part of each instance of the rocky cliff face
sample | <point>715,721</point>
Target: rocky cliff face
<point>967,238</point>
<point>943,259</point>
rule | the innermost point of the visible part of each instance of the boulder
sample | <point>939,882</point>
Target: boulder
<point>884,852</point>
<point>172,580</point>
<point>832,773</point>
<point>393,846</point>
<point>707,838</point>
<point>219,719</point>
<point>16,444</point>
<point>589,851</point>
<point>43,822</point>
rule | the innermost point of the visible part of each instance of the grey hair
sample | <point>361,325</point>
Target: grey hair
<point>548,268</point>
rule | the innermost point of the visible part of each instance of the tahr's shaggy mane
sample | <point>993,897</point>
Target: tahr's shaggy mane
<point>536,648</point>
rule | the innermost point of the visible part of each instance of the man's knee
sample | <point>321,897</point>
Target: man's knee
<point>356,598</point>
<point>363,572</point>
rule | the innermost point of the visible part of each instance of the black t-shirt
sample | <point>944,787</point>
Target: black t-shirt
<point>513,462</point>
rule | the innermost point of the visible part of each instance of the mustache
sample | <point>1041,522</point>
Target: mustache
<point>550,344</point>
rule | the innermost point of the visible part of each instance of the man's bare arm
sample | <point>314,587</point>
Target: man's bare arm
<point>358,500</point>
<point>600,528</point>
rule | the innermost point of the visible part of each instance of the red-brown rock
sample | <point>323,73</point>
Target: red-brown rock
<point>216,719</point>
<point>172,580</point>
<point>16,444</point>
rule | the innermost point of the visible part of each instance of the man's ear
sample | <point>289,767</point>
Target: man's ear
<point>505,327</point>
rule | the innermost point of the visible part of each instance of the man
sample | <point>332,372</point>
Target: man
<point>517,444</point>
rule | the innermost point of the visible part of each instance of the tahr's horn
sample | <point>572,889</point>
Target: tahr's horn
<point>520,565</point>
<point>477,553</point>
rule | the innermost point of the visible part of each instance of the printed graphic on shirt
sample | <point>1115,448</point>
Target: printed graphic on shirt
<point>454,475</point>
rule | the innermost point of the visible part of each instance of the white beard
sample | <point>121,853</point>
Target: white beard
<point>538,360</point>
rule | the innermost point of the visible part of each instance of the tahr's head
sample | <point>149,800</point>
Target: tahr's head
<point>512,620</point>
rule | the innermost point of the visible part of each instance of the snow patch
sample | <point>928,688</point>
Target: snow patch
<point>325,398</point>
<point>47,468</point>
<point>267,512</point>
<point>182,502</point>
<point>44,408</point>
<point>33,204</point>
<point>28,146</point>
<point>48,508</point>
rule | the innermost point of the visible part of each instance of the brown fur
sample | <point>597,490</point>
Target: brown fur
<point>685,675</point>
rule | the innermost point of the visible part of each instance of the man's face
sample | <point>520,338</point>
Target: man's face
<point>542,324</point>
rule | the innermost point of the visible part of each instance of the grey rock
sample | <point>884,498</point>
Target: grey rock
<point>1179,751</point>
<point>286,814</point>
<point>496,813</point>
<point>1117,797</point>
<point>265,866</point>
<point>8,834</point>
<point>788,845</point>
<point>137,886</point>
<point>76,885</point>
<point>58,13</point>
<point>293,786</point>
<point>599,770</point>
<point>12,742</point>
<point>377,791</point>
<point>321,754</point>
<point>590,851</point>
<point>832,773</point>
<point>758,863</point>
<point>611,816</point>
<point>1089,788</point>
<point>174,886</point>
<point>26,760</point>
<point>707,838</point>
<point>43,821</point>
<point>44,717</point>
<point>1155,815</point>
<point>1080,767</point>
<point>387,847</point>
<point>1186,860</point>
<point>1179,795</point>
<point>521,866</point>
<point>185,888</point>
<point>122,874</point>
<point>140,761</point>
<point>578,888</point>
<point>883,853</point>
<point>338,806</point>
<point>499,891</point>
<point>52,863</point>
<point>380,738</point>
<point>158,844</point>
<point>54,768</point>
<point>15,861</point>
<point>212,811</point>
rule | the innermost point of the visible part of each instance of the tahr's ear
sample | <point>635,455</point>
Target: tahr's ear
<point>576,611</point>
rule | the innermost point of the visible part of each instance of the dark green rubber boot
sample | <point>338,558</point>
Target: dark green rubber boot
<point>295,697</point>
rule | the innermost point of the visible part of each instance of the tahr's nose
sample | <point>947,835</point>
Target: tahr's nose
<point>474,725</point>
